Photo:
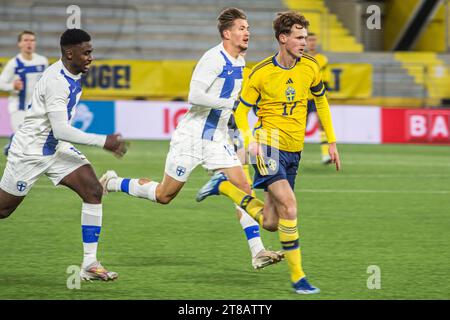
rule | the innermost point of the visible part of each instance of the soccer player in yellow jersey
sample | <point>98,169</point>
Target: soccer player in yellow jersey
<point>322,60</point>
<point>279,88</point>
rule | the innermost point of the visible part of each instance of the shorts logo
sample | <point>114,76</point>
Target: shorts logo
<point>181,171</point>
<point>21,186</point>
<point>272,164</point>
<point>76,151</point>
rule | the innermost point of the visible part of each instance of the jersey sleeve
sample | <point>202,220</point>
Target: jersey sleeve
<point>250,96</point>
<point>241,119</point>
<point>207,69</point>
<point>56,95</point>
<point>317,86</point>
<point>7,76</point>
<point>62,130</point>
<point>324,113</point>
<point>250,92</point>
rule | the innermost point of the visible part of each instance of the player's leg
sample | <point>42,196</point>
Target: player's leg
<point>278,177</point>
<point>260,256</point>
<point>8,203</point>
<point>251,228</point>
<point>84,182</point>
<point>143,188</point>
<point>283,197</point>
<point>220,184</point>
<point>226,159</point>
<point>270,213</point>
<point>180,162</point>
<point>71,169</point>
<point>20,174</point>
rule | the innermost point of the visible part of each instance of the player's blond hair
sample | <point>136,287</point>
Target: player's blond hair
<point>226,19</point>
<point>19,37</point>
<point>285,20</point>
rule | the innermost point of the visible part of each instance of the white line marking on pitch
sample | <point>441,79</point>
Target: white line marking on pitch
<point>315,190</point>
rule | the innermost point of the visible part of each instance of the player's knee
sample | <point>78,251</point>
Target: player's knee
<point>163,195</point>
<point>165,199</point>
<point>289,211</point>
<point>6,212</point>
<point>94,194</point>
<point>270,226</point>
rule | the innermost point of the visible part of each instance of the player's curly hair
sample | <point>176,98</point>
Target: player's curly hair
<point>226,18</point>
<point>285,20</point>
<point>72,37</point>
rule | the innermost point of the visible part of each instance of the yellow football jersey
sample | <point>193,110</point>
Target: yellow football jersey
<point>322,60</point>
<point>281,97</point>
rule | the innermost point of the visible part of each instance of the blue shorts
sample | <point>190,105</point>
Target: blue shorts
<point>275,165</point>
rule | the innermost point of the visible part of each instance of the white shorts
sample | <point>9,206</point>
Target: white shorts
<point>187,152</point>
<point>23,171</point>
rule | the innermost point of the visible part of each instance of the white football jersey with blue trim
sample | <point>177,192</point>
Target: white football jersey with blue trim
<point>223,75</point>
<point>57,90</point>
<point>29,71</point>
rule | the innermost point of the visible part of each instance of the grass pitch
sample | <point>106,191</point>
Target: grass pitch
<point>389,207</point>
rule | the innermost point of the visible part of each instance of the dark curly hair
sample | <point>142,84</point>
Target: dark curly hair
<point>72,37</point>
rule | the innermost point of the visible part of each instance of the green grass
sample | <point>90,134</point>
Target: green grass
<point>390,207</point>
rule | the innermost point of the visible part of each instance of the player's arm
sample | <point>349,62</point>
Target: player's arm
<point>206,71</point>
<point>56,101</point>
<point>250,96</point>
<point>199,96</point>
<point>324,113</point>
<point>318,91</point>
<point>7,82</point>
<point>241,118</point>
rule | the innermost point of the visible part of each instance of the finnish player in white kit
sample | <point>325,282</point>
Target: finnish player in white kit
<point>19,76</point>
<point>201,137</point>
<point>42,146</point>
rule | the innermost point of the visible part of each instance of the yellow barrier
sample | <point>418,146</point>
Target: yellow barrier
<point>348,80</point>
<point>167,79</point>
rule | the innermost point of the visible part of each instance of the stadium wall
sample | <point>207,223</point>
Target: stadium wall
<point>156,120</point>
<point>169,79</point>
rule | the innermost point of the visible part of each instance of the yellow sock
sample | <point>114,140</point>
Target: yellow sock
<point>287,230</point>
<point>252,205</point>
<point>323,143</point>
<point>249,178</point>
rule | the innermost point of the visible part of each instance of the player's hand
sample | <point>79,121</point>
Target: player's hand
<point>116,145</point>
<point>334,155</point>
<point>18,85</point>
